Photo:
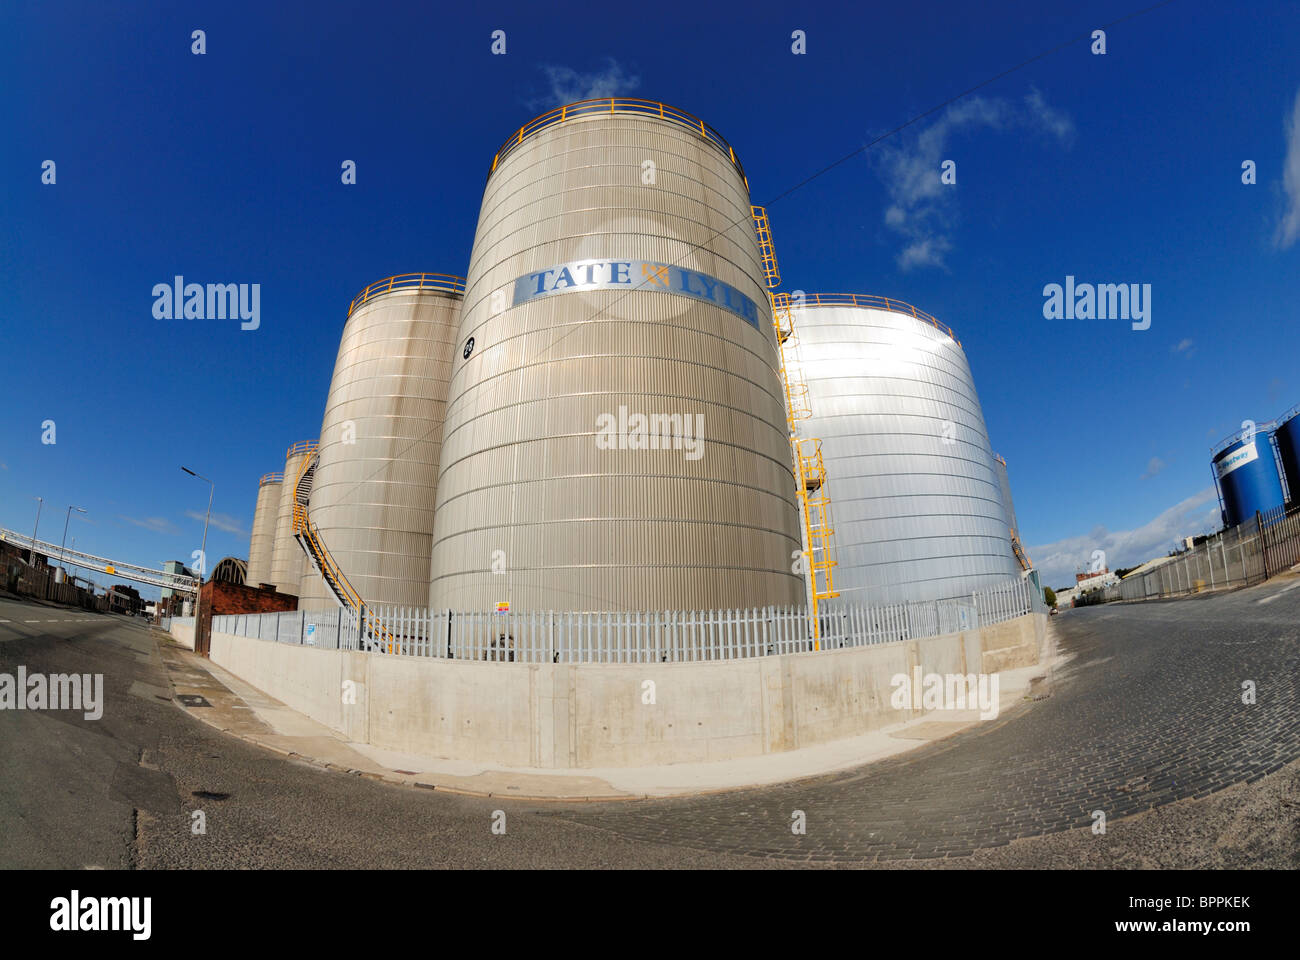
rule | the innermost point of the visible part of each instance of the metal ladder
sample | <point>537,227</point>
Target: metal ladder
<point>809,469</point>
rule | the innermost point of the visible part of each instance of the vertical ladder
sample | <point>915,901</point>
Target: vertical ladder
<point>809,469</point>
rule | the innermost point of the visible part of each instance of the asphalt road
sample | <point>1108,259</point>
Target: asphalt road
<point>1147,714</point>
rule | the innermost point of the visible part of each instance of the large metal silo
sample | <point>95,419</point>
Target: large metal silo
<point>286,555</point>
<point>262,541</point>
<point>372,494</point>
<point>1245,469</point>
<point>1287,436</point>
<point>615,303</point>
<point>918,503</point>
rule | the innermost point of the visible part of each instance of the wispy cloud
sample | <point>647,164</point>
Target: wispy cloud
<point>1288,229</point>
<point>568,85</point>
<point>154,524</point>
<point>222,521</point>
<point>1154,466</point>
<point>922,209</point>
<point>1127,548</point>
<point>1183,346</point>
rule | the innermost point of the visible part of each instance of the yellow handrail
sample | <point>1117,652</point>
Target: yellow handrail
<point>615,105</point>
<point>872,302</point>
<point>302,446</point>
<point>409,281</point>
<point>270,478</point>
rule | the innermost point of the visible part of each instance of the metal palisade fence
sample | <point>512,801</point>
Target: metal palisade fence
<point>631,636</point>
<point>1239,556</point>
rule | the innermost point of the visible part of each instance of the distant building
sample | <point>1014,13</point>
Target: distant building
<point>123,599</point>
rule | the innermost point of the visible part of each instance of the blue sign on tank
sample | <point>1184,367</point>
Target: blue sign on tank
<point>581,275</point>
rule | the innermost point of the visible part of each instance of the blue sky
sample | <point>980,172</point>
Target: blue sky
<point>225,167</point>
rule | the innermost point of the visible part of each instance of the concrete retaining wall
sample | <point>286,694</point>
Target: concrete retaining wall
<point>183,633</point>
<point>593,715</point>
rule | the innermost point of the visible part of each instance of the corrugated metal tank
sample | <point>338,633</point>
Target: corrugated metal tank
<point>372,496</point>
<point>1249,481</point>
<point>613,292</point>
<point>916,498</point>
<point>262,541</point>
<point>1004,485</point>
<point>286,555</point>
<point>1287,436</point>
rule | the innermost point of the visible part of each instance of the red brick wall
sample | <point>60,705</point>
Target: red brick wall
<point>222,599</point>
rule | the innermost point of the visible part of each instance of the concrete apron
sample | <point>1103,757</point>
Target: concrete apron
<point>239,709</point>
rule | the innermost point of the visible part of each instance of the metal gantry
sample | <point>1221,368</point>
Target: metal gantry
<point>116,568</point>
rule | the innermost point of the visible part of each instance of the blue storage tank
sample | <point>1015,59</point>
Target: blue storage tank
<point>1248,478</point>
<point>1288,448</point>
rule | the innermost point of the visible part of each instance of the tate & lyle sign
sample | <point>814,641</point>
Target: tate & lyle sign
<point>580,275</point>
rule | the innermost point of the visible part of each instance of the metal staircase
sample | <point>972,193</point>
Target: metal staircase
<point>322,561</point>
<point>809,469</point>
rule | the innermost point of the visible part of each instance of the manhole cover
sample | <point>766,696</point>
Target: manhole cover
<point>192,700</point>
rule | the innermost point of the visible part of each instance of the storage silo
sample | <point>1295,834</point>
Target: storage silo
<point>261,542</point>
<point>919,506</point>
<point>614,307</point>
<point>286,555</point>
<point>1287,436</point>
<point>1245,470</point>
<point>372,495</point>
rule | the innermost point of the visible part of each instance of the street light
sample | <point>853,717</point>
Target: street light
<point>65,534</point>
<point>40,502</point>
<point>203,556</point>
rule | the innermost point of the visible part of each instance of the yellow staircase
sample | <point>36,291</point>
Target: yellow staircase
<point>805,452</point>
<point>309,538</point>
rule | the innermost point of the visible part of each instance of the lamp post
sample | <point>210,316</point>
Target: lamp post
<point>203,557</point>
<point>65,535</point>
<point>40,502</point>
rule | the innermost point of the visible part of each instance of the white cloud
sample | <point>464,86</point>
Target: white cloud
<point>1289,227</point>
<point>922,207</point>
<point>1059,561</point>
<point>1183,346</point>
<point>155,524</point>
<point>222,521</point>
<point>568,85</point>
<point>1154,466</point>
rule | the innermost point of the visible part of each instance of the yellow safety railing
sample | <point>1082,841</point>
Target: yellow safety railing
<point>302,446</point>
<point>409,281</point>
<point>620,105</point>
<point>771,272</point>
<point>270,478</point>
<point>871,302</point>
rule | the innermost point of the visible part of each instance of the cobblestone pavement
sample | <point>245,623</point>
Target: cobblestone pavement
<point>1148,711</point>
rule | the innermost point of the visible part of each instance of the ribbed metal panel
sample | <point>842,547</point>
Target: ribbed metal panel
<point>915,517</point>
<point>286,555</point>
<point>1004,484</point>
<point>580,527</point>
<point>262,541</point>
<point>373,498</point>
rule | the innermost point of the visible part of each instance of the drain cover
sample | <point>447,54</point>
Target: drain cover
<point>193,700</point>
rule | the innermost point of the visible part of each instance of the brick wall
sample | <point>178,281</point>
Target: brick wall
<point>221,599</point>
